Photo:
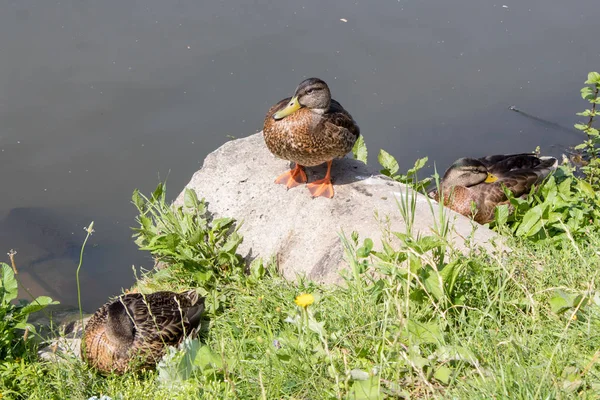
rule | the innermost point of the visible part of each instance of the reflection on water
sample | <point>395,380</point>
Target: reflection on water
<point>100,98</point>
<point>49,243</point>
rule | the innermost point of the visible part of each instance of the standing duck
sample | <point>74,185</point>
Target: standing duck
<point>479,181</point>
<point>309,128</point>
<point>135,329</point>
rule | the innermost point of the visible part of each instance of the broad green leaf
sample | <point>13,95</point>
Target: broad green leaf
<point>207,358</point>
<point>178,365</point>
<point>420,163</point>
<point>359,150</point>
<point>25,325</point>
<point>587,113</point>
<point>221,223</point>
<point>365,390</point>
<point>365,249</point>
<point>9,288</point>
<point>147,224</point>
<point>565,187</point>
<point>257,268</point>
<point>317,327</point>
<point>232,243</point>
<point>450,274</point>
<point>38,304</point>
<point>586,188</point>
<point>501,214</point>
<point>587,93</point>
<point>359,375</point>
<point>424,332</point>
<point>190,199</point>
<point>563,301</point>
<point>415,357</point>
<point>158,192</point>
<point>443,374</point>
<point>426,243</point>
<point>138,201</point>
<point>433,285</point>
<point>456,353</point>
<point>388,162</point>
<point>593,78</point>
<point>559,304</point>
<point>284,357</point>
<point>572,383</point>
<point>531,219</point>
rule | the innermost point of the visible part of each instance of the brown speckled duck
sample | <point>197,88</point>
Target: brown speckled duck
<point>309,128</point>
<point>135,329</point>
<point>480,181</point>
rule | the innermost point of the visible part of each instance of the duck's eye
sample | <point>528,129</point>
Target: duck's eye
<point>309,91</point>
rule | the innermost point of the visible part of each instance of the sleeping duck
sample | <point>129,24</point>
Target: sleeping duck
<point>479,181</point>
<point>135,329</point>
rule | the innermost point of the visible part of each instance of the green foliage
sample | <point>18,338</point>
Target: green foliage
<point>192,359</point>
<point>13,317</point>
<point>519,325</point>
<point>415,275</point>
<point>359,150</point>
<point>564,205</point>
<point>591,146</point>
<point>391,167</point>
<point>187,238</point>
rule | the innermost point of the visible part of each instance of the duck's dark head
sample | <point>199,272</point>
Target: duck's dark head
<point>311,93</point>
<point>120,328</point>
<point>467,172</point>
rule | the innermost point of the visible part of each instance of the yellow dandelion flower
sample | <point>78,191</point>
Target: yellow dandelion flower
<point>304,300</point>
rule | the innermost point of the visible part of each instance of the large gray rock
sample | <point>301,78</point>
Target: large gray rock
<point>237,180</point>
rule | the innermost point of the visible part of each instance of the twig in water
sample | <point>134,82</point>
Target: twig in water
<point>544,121</point>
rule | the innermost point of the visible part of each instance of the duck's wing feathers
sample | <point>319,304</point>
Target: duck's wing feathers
<point>165,316</point>
<point>518,181</point>
<point>517,172</point>
<point>503,165</point>
<point>338,116</point>
<point>502,159</point>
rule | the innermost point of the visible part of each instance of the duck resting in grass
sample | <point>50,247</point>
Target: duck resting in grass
<point>479,181</point>
<point>135,329</point>
<point>309,128</point>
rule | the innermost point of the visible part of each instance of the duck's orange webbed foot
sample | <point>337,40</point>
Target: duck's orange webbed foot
<point>322,187</point>
<point>293,177</point>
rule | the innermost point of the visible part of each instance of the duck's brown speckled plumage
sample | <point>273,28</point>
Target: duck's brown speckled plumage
<point>310,138</point>
<point>517,172</point>
<point>150,322</point>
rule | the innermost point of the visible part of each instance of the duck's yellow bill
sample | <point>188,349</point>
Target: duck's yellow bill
<point>291,108</point>
<point>491,178</point>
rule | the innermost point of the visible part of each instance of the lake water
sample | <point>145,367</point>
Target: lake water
<point>100,98</point>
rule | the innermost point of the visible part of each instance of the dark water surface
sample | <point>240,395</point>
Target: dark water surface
<point>98,98</point>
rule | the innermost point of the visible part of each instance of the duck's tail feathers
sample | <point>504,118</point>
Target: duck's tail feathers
<point>546,167</point>
<point>194,313</point>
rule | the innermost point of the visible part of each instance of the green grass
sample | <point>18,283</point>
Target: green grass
<point>499,337</point>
